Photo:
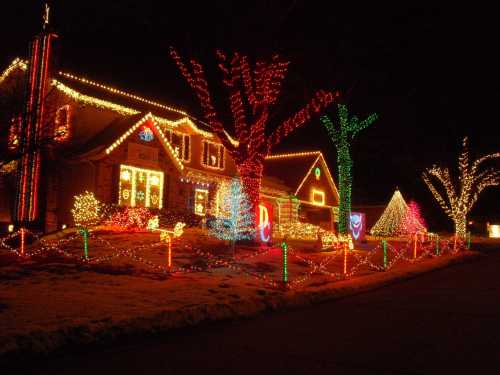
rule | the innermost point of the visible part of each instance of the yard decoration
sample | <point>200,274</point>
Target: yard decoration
<point>252,93</point>
<point>86,213</point>
<point>284,248</point>
<point>463,192</point>
<point>342,137</point>
<point>239,222</point>
<point>413,222</point>
<point>392,217</point>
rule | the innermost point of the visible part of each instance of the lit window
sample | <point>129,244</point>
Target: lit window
<point>140,187</point>
<point>62,123</point>
<point>318,197</point>
<point>200,201</point>
<point>213,155</point>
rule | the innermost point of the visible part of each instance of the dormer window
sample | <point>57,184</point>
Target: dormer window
<point>213,155</point>
<point>62,123</point>
<point>181,143</point>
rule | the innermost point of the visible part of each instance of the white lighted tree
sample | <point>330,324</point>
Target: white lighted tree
<point>462,193</point>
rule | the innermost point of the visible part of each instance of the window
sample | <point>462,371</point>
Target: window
<point>318,197</point>
<point>180,143</point>
<point>140,187</point>
<point>213,155</point>
<point>200,201</point>
<point>15,129</point>
<point>62,124</point>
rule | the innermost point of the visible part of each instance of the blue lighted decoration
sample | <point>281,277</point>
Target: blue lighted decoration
<point>146,134</point>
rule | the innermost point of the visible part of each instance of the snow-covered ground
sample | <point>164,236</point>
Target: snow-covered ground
<point>56,293</point>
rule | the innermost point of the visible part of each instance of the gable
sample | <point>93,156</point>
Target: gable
<point>317,186</point>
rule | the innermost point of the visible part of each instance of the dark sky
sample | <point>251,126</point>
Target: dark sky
<point>428,71</point>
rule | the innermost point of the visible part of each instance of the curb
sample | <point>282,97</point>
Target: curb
<point>41,344</point>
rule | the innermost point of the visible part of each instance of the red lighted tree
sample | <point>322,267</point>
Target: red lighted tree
<point>252,92</point>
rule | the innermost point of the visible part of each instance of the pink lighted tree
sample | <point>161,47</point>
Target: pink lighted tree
<point>413,222</point>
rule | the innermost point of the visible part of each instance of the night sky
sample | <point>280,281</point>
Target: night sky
<point>428,71</point>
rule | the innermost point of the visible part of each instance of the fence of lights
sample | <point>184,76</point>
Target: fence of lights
<point>337,265</point>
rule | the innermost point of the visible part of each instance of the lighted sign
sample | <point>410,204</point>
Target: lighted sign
<point>146,134</point>
<point>494,231</point>
<point>264,216</point>
<point>357,225</point>
<point>200,201</point>
<point>317,173</point>
<point>318,197</point>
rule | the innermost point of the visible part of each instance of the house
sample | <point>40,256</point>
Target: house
<point>134,151</point>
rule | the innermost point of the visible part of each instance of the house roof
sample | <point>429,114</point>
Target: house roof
<point>120,97</point>
<point>290,168</point>
<point>293,168</point>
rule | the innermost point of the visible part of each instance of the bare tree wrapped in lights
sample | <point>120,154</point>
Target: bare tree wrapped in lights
<point>342,137</point>
<point>252,93</point>
<point>460,198</point>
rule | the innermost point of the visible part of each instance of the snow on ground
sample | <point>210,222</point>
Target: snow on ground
<point>56,292</point>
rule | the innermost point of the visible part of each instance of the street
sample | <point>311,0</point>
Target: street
<point>444,322</point>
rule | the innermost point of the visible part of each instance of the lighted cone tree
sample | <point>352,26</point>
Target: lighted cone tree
<point>413,222</point>
<point>252,93</point>
<point>239,220</point>
<point>462,193</point>
<point>342,135</point>
<point>392,217</point>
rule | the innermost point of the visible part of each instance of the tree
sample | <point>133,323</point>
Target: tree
<point>413,222</point>
<point>237,221</point>
<point>252,93</point>
<point>392,217</point>
<point>461,196</point>
<point>342,137</point>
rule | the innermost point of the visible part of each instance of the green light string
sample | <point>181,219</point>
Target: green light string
<point>342,137</point>
<point>284,247</point>
<point>384,246</point>
<point>468,240</point>
<point>85,234</point>
<point>437,245</point>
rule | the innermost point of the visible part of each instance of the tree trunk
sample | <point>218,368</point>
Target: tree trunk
<point>344,165</point>
<point>460,225</point>
<point>251,178</point>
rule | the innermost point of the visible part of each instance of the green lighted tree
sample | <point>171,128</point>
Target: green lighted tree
<point>342,137</point>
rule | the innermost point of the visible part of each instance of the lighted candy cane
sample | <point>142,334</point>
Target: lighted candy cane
<point>23,239</point>
<point>166,235</point>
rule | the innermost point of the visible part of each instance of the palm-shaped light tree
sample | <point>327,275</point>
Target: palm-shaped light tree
<point>461,197</point>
